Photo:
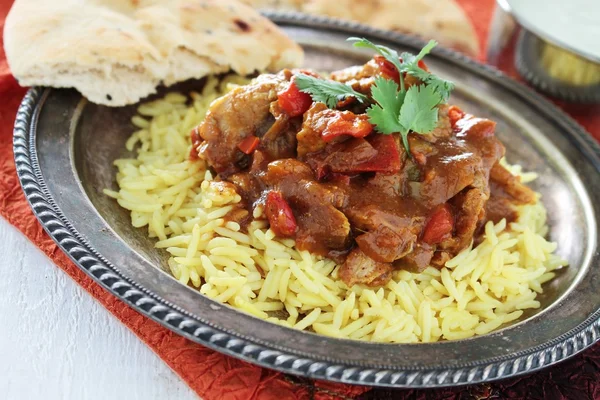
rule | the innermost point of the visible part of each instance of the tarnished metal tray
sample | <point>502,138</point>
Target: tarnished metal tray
<point>64,148</point>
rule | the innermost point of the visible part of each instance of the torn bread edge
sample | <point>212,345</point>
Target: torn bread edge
<point>116,58</point>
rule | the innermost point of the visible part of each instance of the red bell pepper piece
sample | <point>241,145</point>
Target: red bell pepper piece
<point>280,215</point>
<point>293,101</point>
<point>388,156</point>
<point>439,226</point>
<point>455,114</point>
<point>347,123</point>
<point>249,144</point>
<point>377,153</point>
<point>387,69</point>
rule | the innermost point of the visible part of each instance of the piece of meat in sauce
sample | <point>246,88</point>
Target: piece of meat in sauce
<point>244,111</point>
<point>358,197</point>
<point>507,191</point>
<point>322,228</point>
<point>360,268</point>
<point>309,137</point>
<point>359,77</point>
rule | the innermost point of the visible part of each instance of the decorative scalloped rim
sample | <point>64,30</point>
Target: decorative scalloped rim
<point>176,319</point>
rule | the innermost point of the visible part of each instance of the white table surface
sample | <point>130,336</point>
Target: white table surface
<point>57,342</point>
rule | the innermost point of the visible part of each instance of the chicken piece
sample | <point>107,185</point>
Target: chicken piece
<point>321,226</point>
<point>453,166</point>
<point>443,128</point>
<point>247,186</point>
<point>360,268</point>
<point>507,191</point>
<point>392,185</point>
<point>469,211</point>
<point>242,112</point>
<point>282,170</point>
<point>349,155</point>
<point>447,171</point>
<point>417,260</point>
<point>387,234</point>
<point>511,185</point>
<point>370,216</point>
<point>385,244</point>
<point>359,77</point>
<point>309,137</point>
<point>280,140</point>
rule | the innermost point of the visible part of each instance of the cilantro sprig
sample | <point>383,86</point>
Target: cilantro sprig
<point>387,53</point>
<point>326,91</point>
<point>395,111</point>
<point>409,63</point>
<point>400,110</point>
<point>394,108</point>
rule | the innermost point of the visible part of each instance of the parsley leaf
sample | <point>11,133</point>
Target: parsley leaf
<point>419,111</point>
<point>384,114</point>
<point>326,91</point>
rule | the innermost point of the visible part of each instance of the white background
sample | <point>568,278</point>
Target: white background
<point>57,342</point>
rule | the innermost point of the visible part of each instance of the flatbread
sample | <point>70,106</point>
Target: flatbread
<point>116,52</point>
<point>442,20</point>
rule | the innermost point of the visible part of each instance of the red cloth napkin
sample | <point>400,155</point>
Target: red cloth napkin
<point>216,376</point>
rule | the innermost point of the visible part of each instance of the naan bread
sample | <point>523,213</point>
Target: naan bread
<point>116,52</point>
<point>442,20</point>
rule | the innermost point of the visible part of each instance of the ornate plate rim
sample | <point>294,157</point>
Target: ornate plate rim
<point>177,320</point>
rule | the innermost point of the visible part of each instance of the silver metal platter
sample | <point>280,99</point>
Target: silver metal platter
<point>64,148</point>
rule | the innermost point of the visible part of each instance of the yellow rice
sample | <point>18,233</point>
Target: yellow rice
<point>176,199</point>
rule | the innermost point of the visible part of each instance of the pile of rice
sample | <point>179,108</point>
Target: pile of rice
<point>181,205</point>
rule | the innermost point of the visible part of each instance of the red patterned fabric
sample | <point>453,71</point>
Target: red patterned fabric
<point>216,376</point>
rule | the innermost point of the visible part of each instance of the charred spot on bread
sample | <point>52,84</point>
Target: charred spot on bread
<point>243,25</point>
<point>108,97</point>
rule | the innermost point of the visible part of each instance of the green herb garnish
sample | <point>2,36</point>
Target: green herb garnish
<point>410,65</point>
<point>384,114</point>
<point>396,109</point>
<point>399,110</point>
<point>414,110</point>
<point>387,53</point>
<point>326,91</point>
